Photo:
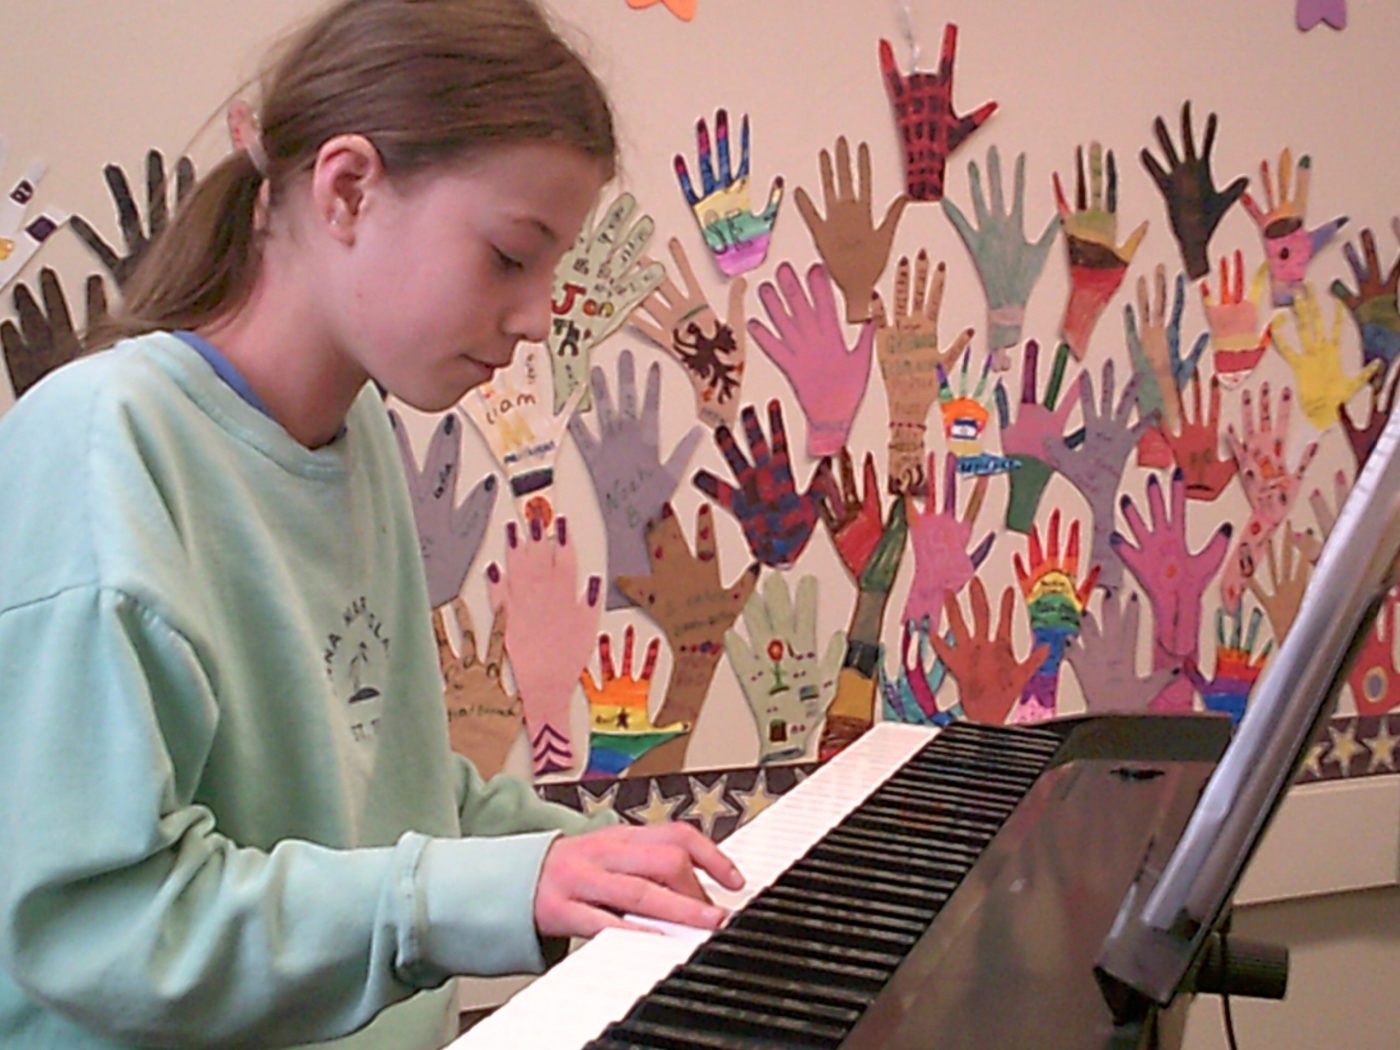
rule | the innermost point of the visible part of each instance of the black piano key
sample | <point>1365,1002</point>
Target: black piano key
<point>798,954</point>
<point>834,996</point>
<point>695,1014</point>
<point>880,848</point>
<point>648,1035</point>
<point>782,922</point>
<point>774,999</point>
<point>763,931</point>
<point>814,876</point>
<point>939,829</point>
<point>828,906</point>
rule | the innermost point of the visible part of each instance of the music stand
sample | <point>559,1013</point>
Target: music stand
<point>1167,920</point>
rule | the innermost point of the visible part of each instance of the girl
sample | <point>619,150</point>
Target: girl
<point>232,816</point>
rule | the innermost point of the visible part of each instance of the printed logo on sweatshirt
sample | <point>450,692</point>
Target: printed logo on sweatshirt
<point>356,660</point>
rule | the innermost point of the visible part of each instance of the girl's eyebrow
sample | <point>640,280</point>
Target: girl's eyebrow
<point>537,224</point>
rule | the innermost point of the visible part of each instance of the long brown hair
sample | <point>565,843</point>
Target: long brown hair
<point>426,81</point>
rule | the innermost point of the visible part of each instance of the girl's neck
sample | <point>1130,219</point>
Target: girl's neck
<point>276,341</point>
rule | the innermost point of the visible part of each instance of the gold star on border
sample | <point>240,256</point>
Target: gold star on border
<point>658,809</point>
<point>1382,747</point>
<point>709,805</point>
<point>1344,746</point>
<point>590,803</point>
<point>757,800</point>
<point>1313,762</point>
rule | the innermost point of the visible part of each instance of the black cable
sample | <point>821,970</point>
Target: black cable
<point>1225,990</point>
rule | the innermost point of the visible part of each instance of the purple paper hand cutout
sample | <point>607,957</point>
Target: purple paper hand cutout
<point>1311,12</point>
<point>809,348</point>
<point>1174,581</point>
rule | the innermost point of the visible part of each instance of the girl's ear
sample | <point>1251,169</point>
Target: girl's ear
<point>347,169</point>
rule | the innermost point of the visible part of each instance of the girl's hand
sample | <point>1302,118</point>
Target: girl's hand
<point>590,882</point>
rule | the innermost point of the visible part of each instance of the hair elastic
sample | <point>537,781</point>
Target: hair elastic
<point>244,134</point>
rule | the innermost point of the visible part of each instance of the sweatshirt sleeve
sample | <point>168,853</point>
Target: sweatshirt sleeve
<point>123,908</point>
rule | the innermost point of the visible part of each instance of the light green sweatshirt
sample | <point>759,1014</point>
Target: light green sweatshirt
<point>230,813</point>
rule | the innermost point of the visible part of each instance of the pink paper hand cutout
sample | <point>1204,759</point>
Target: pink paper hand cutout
<point>942,563</point>
<point>1311,12</point>
<point>1288,245</point>
<point>809,347</point>
<point>1269,485</point>
<point>549,631</point>
<point>1174,580</point>
<point>929,129</point>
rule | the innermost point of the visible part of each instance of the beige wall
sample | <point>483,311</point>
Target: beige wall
<point>88,82</point>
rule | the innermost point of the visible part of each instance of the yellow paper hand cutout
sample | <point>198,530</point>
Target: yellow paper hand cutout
<point>1322,384</point>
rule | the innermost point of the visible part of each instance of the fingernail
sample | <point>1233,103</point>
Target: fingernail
<point>493,573</point>
<point>560,531</point>
<point>512,534</point>
<point>536,530</point>
<point>714,916</point>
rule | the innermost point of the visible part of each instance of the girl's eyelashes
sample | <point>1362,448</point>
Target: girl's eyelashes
<point>506,262</point>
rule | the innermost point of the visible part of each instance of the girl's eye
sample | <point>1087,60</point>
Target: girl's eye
<point>506,262</point>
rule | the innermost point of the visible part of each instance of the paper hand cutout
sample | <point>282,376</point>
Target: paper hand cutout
<point>809,347</point>
<point>1026,436</point>
<point>855,252</point>
<point>1194,206</point>
<point>684,597</point>
<point>1311,12</point>
<point>1196,445</point>
<point>682,9</point>
<point>737,237</point>
<point>788,689</point>
<point>45,336</point>
<point>1268,484</point>
<point>1238,338</point>
<point>777,519</point>
<point>19,240</point>
<point>942,563</point>
<point>989,677</point>
<point>1288,247</point>
<point>1373,305</point>
<point>620,730</point>
<point>909,361</point>
<point>483,720</point>
<point>549,630</point>
<point>1236,667</point>
<point>1173,579</point>
<point>854,520</point>
<point>512,412</point>
<point>929,130</point>
<point>1094,466</point>
<point>965,413</point>
<point>1097,263</point>
<point>1374,677</point>
<point>710,350</point>
<point>1104,659</point>
<point>1007,263</point>
<point>1323,386</point>
<point>624,461</point>
<point>448,535</point>
<point>1155,351</point>
<point>1362,439</point>
<point>1288,578</point>
<point>912,697</point>
<point>137,237</point>
<point>1055,599</point>
<point>597,284</point>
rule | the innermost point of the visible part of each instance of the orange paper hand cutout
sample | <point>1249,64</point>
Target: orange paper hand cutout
<point>682,9</point>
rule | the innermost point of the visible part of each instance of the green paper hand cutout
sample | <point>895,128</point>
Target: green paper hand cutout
<point>709,349</point>
<point>1104,658</point>
<point>597,284</point>
<point>788,689</point>
<point>483,719</point>
<point>45,336</point>
<point>855,252</point>
<point>683,595</point>
<point>1373,306</point>
<point>1007,263</point>
<point>624,461</point>
<point>1269,486</point>
<point>1097,263</point>
<point>1323,386</point>
<point>965,412</point>
<point>1036,424</point>
<point>910,358</point>
<point>1194,205</point>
